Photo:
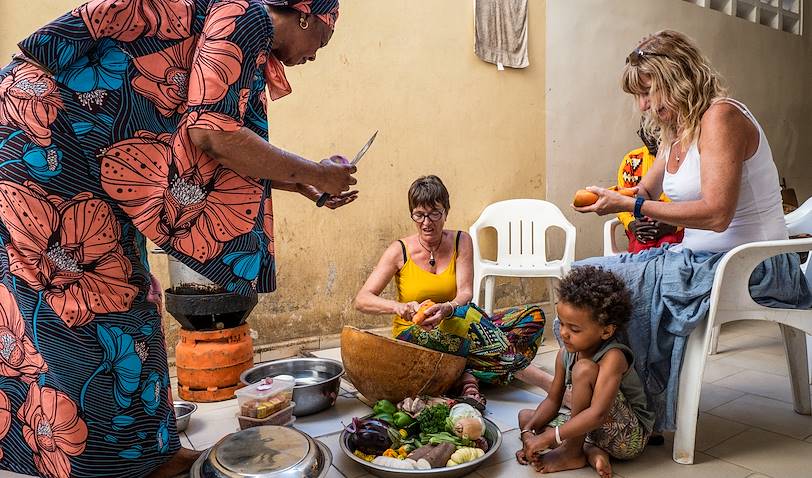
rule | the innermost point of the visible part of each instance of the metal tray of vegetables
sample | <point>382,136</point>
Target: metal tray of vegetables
<point>425,437</point>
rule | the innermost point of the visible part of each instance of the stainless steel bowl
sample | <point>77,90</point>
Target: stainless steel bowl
<point>183,413</point>
<point>492,435</point>
<point>264,452</point>
<point>317,381</point>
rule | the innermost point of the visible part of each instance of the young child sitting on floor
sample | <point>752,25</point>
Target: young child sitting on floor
<point>609,415</point>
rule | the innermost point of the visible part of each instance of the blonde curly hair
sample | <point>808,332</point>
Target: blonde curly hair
<point>682,81</point>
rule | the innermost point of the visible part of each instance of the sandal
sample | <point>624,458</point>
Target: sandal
<point>470,393</point>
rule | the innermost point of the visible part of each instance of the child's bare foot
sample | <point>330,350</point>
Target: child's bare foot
<point>535,445</point>
<point>564,457</point>
<point>599,460</point>
<point>521,458</point>
<point>181,462</point>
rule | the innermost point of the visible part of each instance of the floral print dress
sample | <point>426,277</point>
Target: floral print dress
<point>95,157</point>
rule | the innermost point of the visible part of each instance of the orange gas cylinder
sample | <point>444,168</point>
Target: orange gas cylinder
<point>209,363</point>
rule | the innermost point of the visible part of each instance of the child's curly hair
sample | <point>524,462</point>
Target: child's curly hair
<point>600,291</point>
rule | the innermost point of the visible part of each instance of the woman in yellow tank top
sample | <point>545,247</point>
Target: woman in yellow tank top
<point>436,264</point>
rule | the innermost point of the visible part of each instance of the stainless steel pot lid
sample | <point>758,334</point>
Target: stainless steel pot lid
<point>262,451</point>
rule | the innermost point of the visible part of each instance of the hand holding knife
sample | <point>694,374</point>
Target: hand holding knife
<point>325,196</point>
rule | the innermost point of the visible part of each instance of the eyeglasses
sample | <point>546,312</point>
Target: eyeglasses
<point>434,215</point>
<point>637,56</point>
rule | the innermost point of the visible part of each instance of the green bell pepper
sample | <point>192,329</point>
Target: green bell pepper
<point>384,406</point>
<point>385,417</point>
<point>402,419</point>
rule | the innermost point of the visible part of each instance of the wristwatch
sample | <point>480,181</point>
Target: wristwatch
<point>638,204</point>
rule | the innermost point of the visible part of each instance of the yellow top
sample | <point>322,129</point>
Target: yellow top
<point>634,166</point>
<point>417,284</point>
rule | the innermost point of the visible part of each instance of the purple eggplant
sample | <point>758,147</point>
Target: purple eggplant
<point>370,436</point>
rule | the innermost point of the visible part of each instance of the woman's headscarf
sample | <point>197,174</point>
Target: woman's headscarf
<point>324,10</point>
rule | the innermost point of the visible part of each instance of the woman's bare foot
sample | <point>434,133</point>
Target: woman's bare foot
<point>470,393</point>
<point>181,462</point>
<point>599,460</point>
<point>564,457</point>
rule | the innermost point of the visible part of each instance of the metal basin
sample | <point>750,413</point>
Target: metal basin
<point>264,452</point>
<point>183,413</point>
<point>492,435</point>
<point>317,381</point>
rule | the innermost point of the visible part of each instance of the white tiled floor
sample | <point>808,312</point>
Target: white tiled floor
<point>747,427</point>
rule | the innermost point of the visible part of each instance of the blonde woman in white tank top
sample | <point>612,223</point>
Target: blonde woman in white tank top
<point>758,216</point>
<point>714,162</point>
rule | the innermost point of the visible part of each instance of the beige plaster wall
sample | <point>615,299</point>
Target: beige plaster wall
<point>591,122</point>
<point>406,68</point>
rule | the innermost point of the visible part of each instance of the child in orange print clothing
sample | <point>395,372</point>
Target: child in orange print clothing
<point>643,233</point>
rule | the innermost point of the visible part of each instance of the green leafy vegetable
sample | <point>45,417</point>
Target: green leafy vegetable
<point>444,437</point>
<point>433,419</point>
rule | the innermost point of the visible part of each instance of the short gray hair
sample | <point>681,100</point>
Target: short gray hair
<point>428,191</point>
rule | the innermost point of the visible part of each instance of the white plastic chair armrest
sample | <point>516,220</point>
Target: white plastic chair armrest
<point>610,247</point>
<point>473,232</point>
<point>569,248</point>
<point>737,265</point>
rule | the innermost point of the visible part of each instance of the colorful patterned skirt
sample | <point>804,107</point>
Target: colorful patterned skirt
<point>622,435</point>
<point>495,348</point>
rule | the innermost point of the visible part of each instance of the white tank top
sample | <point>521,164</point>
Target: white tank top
<point>759,215</point>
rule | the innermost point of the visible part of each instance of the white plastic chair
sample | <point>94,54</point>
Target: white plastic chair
<point>730,301</point>
<point>798,221</point>
<point>521,226</point>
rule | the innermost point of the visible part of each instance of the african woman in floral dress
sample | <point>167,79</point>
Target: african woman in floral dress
<point>122,121</point>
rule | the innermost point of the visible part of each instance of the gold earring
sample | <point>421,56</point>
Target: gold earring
<point>303,23</point>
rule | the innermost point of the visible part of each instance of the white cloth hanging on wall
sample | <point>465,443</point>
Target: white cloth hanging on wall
<point>501,32</point>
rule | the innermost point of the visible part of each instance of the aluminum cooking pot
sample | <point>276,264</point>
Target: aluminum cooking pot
<point>265,452</point>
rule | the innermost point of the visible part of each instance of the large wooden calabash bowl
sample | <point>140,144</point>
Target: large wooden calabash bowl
<point>384,368</point>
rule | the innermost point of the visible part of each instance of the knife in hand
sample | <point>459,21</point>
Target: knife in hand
<point>325,196</point>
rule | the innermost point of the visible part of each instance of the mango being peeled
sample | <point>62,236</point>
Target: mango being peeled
<point>420,315</point>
